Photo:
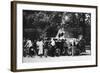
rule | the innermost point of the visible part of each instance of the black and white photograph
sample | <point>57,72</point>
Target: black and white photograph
<point>53,36</point>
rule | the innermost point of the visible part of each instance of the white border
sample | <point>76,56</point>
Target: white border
<point>80,61</point>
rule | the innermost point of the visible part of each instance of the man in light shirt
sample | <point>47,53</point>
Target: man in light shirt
<point>53,47</point>
<point>28,45</point>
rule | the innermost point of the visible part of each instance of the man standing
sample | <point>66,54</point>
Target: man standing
<point>46,48</point>
<point>28,45</point>
<point>53,47</point>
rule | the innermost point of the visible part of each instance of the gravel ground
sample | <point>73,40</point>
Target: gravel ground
<point>83,56</point>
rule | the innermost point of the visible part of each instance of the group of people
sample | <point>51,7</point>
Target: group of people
<point>53,47</point>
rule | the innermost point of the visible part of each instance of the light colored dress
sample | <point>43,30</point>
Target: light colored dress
<point>40,47</point>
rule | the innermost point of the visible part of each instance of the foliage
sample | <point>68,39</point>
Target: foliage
<point>47,23</point>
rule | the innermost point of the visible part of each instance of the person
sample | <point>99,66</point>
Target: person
<point>35,47</point>
<point>33,50</point>
<point>52,42</point>
<point>58,47</point>
<point>28,45</point>
<point>62,47</point>
<point>73,43</point>
<point>46,48</point>
<point>69,48</point>
<point>81,43</point>
<point>40,47</point>
<point>53,47</point>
